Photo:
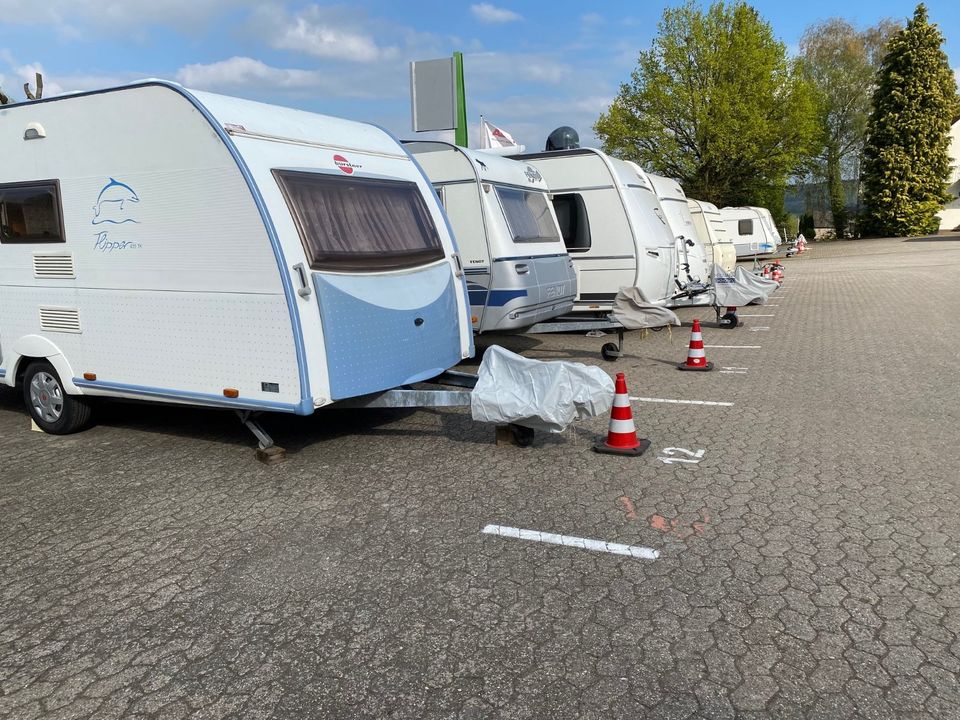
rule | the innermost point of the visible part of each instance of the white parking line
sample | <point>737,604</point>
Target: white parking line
<point>682,402</point>
<point>732,367</point>
<point>759,329</point>
<point>733,372</point>
<point>735,347</point>
<point>636,551</point>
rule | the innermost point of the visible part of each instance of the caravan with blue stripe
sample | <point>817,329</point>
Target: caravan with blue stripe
<point>206,250</point>
<point>517,268</point>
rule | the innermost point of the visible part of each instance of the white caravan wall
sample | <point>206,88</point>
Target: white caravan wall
<point>181,293</point>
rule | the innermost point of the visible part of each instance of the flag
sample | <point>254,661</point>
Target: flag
<point>493,137</point>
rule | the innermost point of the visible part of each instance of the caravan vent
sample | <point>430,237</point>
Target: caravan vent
<point>60,319</point>
<point>57,267</point>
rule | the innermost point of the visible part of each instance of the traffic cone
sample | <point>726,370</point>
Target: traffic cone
<point>622,435</point>
<point>696,357</point>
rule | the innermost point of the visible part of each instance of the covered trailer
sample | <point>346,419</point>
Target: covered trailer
<point>752,230</point>
<point>517,268</point>
<point>164,244</point>
<point>612,225</point>
<point>713,234</point>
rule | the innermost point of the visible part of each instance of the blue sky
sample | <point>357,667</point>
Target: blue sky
<point>530,66</point>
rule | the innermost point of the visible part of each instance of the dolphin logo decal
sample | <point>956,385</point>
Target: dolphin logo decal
<point>114,202</point>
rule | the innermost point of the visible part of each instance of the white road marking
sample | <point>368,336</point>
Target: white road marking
<point>759,329</point>
<point>636,551</point>
<point>693,458</point>
<point>735,347</point>
<point>733,372</point>
<point>682,402</point>
<point>732,367</point>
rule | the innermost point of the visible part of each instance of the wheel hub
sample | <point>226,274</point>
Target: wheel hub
<point>46,396</point>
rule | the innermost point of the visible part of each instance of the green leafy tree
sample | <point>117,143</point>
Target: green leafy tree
<point>841,64</point>
<point>906,159</point>
<point>715,103</point>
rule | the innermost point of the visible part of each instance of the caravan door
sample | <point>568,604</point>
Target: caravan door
<point>385,290</point>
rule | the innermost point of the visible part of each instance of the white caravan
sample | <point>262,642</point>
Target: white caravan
<point>517,268</point>
<point>752,230</point>
<point>612,224</point>
<point>713,234</point>
<point>164,244</point>
<point>693,262</point>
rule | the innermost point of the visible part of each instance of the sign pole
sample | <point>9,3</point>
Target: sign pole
<point>461,137</point>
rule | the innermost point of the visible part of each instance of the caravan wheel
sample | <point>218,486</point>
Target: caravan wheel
<point>729,321</point>
<point>50,407</point>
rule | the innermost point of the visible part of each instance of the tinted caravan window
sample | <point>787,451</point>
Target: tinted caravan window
<point>30,213</point>
<point>574,225</point>
<point>528,215</point>
<point>357,224</point>
<point>745,227</point>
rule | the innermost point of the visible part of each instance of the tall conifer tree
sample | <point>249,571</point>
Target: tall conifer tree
<point>906,159</point>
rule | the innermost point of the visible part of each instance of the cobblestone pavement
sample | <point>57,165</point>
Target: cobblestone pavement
<point>150,567</point>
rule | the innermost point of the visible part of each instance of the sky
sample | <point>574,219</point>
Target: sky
<point>530,66</point>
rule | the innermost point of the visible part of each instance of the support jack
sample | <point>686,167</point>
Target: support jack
<point>267,452</point>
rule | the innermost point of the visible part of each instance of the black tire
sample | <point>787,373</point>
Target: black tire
<point>610,352</point>
<point>729,321</point>
<point>51,408</point>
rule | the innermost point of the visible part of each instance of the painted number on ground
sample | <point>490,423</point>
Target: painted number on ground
<point>672,455</point>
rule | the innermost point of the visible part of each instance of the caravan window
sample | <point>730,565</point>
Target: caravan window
<point>30,213</point>
<point>528,215</point>
<point>356,224</point>
<point>574,224</point>
<point>745,227</point>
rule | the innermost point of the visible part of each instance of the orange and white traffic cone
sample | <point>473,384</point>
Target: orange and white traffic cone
<point>622,435</point>
<point>696,357</point>
<point>777,272</point>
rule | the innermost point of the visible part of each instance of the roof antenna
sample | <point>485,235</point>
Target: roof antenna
<point>30,95</point>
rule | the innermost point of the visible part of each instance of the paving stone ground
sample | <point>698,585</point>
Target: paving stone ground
<point>150,567</point>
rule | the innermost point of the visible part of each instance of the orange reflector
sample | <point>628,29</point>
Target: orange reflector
<point>231,393</point>
<point>474,319</point>
<point>89,376</point>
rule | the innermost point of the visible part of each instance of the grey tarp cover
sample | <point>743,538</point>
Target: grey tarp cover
<point>539,395</point>
<point>742,288</point>
<point>631,309</point>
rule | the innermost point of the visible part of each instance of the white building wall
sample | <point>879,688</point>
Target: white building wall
<point>950,215</point>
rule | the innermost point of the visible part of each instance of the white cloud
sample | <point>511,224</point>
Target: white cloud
<point>324,32</point>
<point>239,71</point>
<point>591,18</point>
<point>485,12</point>
<point>249,77</point>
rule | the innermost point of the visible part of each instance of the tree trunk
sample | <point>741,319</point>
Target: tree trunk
<point>838,198</point>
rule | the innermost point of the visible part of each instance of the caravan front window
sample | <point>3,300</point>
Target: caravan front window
<point>528,215</point>
<point>745,227</point>
<point>360,224</point>
<point>30,213</point>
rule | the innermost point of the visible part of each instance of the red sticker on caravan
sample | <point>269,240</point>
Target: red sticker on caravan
<point>345,165</point>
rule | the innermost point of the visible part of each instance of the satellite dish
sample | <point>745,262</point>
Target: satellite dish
<point>563,138</point>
